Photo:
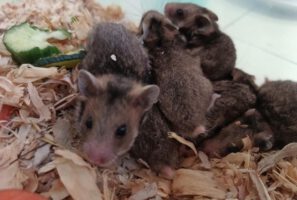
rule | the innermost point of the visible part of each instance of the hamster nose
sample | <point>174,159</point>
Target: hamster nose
<point>101,161</point>
<point>98,154</point>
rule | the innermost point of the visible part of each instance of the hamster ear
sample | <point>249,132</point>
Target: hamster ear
<point>170,30</point>
<point>204,25</point>
<point>211,15</point>
<point>251,116</point>
<point>170,26</point>
<point>148,32</point>
<point>145,97</point>
<point>86,82</point>
<point>250,112</point>
<point>143,30</point>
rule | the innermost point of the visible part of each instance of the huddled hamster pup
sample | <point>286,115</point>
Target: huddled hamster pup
<point>277,101</point>
<point>112,49</point>
<point>229,139</point>
<point>153,145</point>
<point>204,38</point>
<point>112,97</point>
<point>185,93</point>
<point>233,101</point>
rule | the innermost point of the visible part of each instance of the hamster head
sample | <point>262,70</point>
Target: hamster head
<point>229,140</point>
<point>156,30</point>
<point>180,13</point>
<point>109,112</point>
<point>192,20</point>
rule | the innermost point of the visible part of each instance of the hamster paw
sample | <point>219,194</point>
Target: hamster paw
<point>199,130</point>
<point>167,172</point>
<point>214,97</point>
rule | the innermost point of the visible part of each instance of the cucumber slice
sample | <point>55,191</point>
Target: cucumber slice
<point>67,60</point>
<point>28,43</point>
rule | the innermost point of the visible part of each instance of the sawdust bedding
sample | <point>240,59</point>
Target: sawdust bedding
<point>36,151</point>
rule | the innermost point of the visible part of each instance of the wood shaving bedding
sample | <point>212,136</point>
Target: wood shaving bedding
<point>35,145</point>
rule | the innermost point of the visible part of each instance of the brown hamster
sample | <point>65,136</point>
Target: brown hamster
<point>112,98</point>
<point>235,99</point>
<point>277,101</point>
<point>154,146</point>
<point>229,139</point>
<point>204,38</point>
<point>185,93</point>
<point>112,49</point>
<point>234,96</point>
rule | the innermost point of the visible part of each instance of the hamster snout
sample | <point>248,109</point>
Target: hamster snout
<point>99,154</point>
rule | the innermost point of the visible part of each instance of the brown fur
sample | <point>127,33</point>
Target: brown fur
<point>112,98</point>
<point>229,139</point>
<point>185,92</point>
<point>107,39</point>
<point>240,76</point>
<point>153,144</point>
<point>277,101</point>
<point>204,38</point>
<point>235,99</point>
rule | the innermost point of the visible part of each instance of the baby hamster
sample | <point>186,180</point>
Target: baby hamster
<point>229,139</point>
<point>112,97</point>
<point>185,93</point>
<point>154,146</point>
<point>112,49</point>
<point>204,38</point>
<point>277,101</point>
<point>233,101</point>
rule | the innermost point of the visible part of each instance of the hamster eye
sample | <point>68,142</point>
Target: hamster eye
<point>89,123</point>
<point>179,12</point>
<point>121,130</point>
<point>232,148</point>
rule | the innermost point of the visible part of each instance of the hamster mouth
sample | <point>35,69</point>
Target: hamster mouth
<point>99,155</point>
<point>103,162</point>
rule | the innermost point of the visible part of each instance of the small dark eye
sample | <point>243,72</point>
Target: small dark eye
<point>232,148</point>
<point>121,130</point>
<point>179,12</point>
<point>89,123</point>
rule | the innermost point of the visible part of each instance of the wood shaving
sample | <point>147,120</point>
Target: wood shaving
<point>262,190</point>
<point>27,73</point>
<point>147,192</point>
<point>40,108</point>
<point>79,181</point>
<point>194,182</point>
<point>270,161</point>
<point>57,191</point>
<point>12,176</point>
<point>183,141</point>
